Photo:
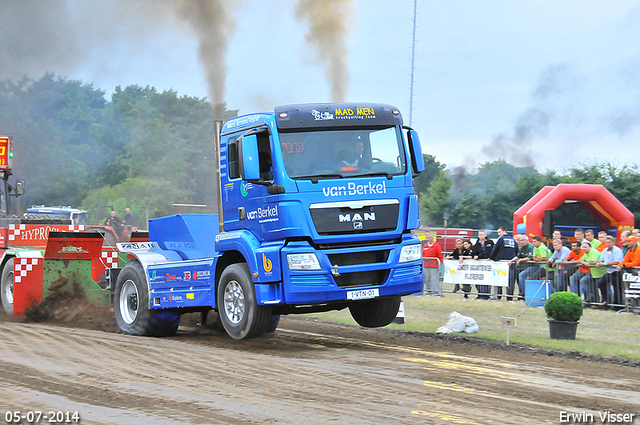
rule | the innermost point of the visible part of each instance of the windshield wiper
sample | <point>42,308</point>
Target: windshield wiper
<point>389,176</point>
<point>315,177</point>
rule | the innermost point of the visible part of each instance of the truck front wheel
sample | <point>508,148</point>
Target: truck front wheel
<point>131,306</point>
<point>240,314</point>
<point>375,313</point>
<point>6,286</point>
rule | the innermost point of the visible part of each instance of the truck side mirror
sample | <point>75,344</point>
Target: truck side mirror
<point>19,187</point>
<point>417,161</point>
<point>249,158</point>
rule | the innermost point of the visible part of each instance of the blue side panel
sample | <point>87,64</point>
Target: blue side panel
<point>192,236</point>
<point>181,284</point>
<point>262,258</point>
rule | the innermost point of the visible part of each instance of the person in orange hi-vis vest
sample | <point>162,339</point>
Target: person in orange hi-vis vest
<point>632,257</point>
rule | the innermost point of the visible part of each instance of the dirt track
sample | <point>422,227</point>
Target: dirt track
<point>308,372</point>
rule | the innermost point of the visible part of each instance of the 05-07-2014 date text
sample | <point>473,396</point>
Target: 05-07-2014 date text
<point>35,416</point>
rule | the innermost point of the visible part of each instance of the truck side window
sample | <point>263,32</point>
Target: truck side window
<point>232,159</point>
<point>264,151</point>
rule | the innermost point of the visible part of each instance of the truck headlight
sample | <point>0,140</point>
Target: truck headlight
<point>410,253</point>
<point>307,261</point>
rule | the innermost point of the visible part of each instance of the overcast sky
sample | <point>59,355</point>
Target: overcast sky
<point>546,83</point>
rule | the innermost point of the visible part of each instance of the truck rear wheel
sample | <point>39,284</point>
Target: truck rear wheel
<point>240,314</point>
<point>131,306</point>
<point>375,313</point>
<point>6,287</point>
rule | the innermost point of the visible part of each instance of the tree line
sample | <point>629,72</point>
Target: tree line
<point>148,150</point>
<point>142,149</point>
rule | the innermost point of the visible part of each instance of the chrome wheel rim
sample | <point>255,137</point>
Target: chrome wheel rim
<point>234,302</point>
<point>129,302</point>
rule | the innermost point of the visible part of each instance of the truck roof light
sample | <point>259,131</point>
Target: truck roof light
<point>283,115</point>
<point>395,112</point>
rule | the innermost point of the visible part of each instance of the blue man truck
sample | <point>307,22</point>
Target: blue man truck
<point>315,210</point>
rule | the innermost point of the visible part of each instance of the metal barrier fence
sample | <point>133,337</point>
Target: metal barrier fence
<point>610,291</point>
<point>432,276</point>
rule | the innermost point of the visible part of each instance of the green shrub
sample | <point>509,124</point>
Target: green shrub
<point>564,306</point>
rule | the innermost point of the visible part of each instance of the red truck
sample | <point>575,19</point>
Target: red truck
<point>42,255</point>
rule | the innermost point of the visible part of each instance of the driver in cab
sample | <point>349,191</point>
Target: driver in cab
<point>353,157</point>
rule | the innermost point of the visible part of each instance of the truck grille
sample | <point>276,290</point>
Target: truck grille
<point>335,218</point>
<point>366,257</point>
<point>373,278</point>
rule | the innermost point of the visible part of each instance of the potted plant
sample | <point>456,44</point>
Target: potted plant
<point>563,309</point>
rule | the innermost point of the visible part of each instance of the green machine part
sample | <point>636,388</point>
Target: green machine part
<point>72,277</point>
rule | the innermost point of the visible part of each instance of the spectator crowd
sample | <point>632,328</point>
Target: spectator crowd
<point>589,266</point>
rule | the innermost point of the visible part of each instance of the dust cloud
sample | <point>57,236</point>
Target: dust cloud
<point>517,147</point>
<point>328,31</point>
<point>62,35</point>
<point>212,24</point>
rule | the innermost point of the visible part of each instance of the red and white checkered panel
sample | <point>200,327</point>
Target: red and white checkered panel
<point>27,283</point>
<point>110,258</point>
<point>22,266</point>
<point>14,230</point>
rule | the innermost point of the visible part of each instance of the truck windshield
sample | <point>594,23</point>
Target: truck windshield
<point>343,153</point>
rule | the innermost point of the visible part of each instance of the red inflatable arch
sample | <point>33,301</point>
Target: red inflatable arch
<point>595,198</point>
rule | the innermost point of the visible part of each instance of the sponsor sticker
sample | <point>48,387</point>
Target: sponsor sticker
<point>201,275</point>
<point>136,246</point>
<point>73,250</point>
<point>321,116</point>
<point>267,264</point>
<point>243,121</point>
<point>244,188</point>
<point>352,189</point>
<point>354,114</point>
<point>264,214</point>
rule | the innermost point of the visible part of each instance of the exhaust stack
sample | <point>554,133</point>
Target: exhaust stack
<point>217,126</point>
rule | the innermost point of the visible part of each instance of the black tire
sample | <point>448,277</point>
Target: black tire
<point>6,287</point>
<point>131,306</point>
<point>241,316</point>
<point>273,324</point>
<point>375,313</point>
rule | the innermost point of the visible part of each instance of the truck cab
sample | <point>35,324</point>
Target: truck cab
<point>327,192</point>
<point>60,213</point>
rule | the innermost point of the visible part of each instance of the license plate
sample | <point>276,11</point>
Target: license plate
<point>363,294</point>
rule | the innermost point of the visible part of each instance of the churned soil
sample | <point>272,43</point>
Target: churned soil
<point>68,356</point>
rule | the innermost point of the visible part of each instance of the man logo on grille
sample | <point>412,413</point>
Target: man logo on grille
<point>357,225</point>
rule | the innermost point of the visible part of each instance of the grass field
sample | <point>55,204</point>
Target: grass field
<point>600,331</point>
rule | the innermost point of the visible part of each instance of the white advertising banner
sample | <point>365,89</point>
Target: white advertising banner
<point>476,272</point>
